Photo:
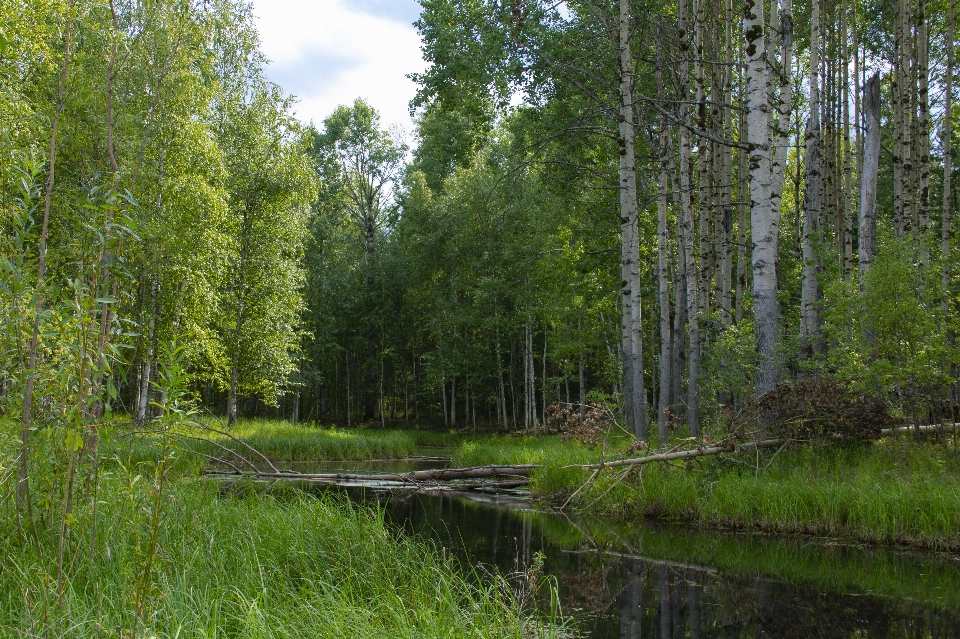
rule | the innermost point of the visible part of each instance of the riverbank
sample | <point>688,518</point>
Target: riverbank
<point>892,491</point>
<point>246,566</point>
<point>896,490</point>
<point>147,552</point>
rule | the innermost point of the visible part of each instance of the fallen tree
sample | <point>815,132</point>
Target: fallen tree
<point>703,451</point>
<point>412,477</point>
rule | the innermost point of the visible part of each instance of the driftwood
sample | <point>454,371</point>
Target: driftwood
<point>411,477</point>
<point>514,476</point>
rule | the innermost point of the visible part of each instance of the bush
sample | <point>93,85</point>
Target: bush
<point>815,408</point>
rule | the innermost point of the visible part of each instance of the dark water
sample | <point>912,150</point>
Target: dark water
<point>633,580</point>
<point>620,581</point>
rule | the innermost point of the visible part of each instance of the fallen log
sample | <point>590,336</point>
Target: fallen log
<point>922,430</point>
<point>439,474</point>
<point>699,451</point>
<point>703,451</point>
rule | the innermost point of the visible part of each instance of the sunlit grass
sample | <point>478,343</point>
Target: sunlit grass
<point>245,566</point>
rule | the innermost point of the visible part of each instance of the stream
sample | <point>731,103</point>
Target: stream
<point>633,580</point>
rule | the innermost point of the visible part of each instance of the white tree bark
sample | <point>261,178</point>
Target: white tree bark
<point>849,211</point>
<point>687,226</point>
<point>783,103</point>
<point>868,178</point>
<point>634,397</point>
<point>813,201</point>
<point>764,225</point>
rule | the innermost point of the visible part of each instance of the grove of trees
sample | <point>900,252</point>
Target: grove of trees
<point>665,206</point>
<point>770,183</point>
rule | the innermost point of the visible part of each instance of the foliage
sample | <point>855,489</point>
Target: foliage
<point>892,340</point>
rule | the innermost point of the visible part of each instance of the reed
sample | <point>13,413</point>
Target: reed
<point>249,566</point>
<point>891,491</point>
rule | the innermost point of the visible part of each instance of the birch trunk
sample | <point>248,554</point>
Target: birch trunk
<point>143,398</point>
<point>663,247</point>
<point>764,225</point>
<point>631,340</point>
<point>783,105</point>
<point>232,397</point>
<point>922,136</point>
<point>687,224</point>
<point>868,179</point>
<point>813,202</point>
<point>946,142</point>
<point>848,198</point>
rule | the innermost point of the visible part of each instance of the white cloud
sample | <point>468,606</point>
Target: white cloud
<point>329,52</point>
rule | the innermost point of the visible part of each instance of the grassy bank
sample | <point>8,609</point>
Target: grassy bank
<point>279,441</point>
<point>892,491</point>
<point>252,566</point>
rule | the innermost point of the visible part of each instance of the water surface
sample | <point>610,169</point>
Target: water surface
<point>667,582</point>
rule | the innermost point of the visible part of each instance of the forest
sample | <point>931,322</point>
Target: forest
<point>780,207</point>
<point>685,215</point>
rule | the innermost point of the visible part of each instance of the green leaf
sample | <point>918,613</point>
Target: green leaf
<point>73,441</point>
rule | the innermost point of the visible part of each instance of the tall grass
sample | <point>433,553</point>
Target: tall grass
<point>248,566</point>
<point>279,441</point>
<point>894,491</point>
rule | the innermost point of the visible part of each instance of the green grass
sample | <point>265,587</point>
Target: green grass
<point>245,566</point>
<point>279,441</point>
<point>282,441</point>
<point>894,491</point>
<point>891,491</point>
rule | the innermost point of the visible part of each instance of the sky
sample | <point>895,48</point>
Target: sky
<point>330,52</point>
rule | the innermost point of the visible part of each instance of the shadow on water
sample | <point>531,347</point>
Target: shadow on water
<point>670,582</point>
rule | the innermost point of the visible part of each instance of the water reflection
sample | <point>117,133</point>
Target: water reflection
<point>618,584</point>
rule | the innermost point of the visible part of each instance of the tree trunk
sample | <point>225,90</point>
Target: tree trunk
<point>663,279</point>
<point>631,340</point>
<point>726,244</point>
<point>922,136</point>
<point>232,398</point>
<point>784,105</point>
<point>582,370</point>
<point>742,256</point>
<point>687,225</point>
<point>946,142</point>
<point>144,395</point>
<point>813,202</point>
<point>868,179</point>
<point>848,194</point>
<point>764,225</point>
